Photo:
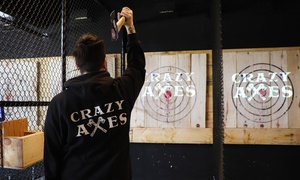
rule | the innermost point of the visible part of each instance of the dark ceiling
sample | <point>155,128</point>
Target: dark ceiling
<point>146,10</point>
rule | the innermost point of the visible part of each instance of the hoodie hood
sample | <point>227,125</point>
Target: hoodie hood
<point>86,86</point>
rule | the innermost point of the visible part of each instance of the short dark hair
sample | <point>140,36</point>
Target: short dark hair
<point>89,53</point>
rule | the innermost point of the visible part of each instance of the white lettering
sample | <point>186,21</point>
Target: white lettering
<point>287,92</point>
<point>234,77</point>
<point>191,91</point>
<point>178,91</point>
<point>98,111</point>
<point>109,109</point>
<point>119,103</point>
<point>155,76</point>
<point>112,121</point>
<point>247,77</point>
<point>261,77</point>
<point>273,90</point>
<point>123,118</point>
<point>73,118</point>
<point>85,113</point>
<point>273,75</point>
<point>95,111</point>
<point>148,91</point>
<point>82,129</point>
<point>189,75</point>
<point>284,75</point>
<point>240,92</point>
<point>178,77</point>
<point>167,77</point>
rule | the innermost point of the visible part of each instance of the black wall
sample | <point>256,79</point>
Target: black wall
<point>194,162</point>
<point>256,26</point>
<point>243,26</point>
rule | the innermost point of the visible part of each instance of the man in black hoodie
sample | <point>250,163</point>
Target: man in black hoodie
<point>87,125</point>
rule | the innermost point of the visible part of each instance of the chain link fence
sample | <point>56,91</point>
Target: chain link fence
<point>36,42</point>
<point>29,45</point>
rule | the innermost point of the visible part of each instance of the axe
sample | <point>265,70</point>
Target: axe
<point>116,25</point>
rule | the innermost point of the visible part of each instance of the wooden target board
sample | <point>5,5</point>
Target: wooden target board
<point>174,92</point>
<point>261,89</point>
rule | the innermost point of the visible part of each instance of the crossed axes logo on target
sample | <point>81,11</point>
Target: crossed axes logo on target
<point>169,94</point>
<point>262,90</point>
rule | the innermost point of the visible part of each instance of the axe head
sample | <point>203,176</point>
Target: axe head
<point>114,27</point>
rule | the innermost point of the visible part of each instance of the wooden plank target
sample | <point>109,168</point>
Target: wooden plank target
<point>261,88</point>
<point>174,92</point>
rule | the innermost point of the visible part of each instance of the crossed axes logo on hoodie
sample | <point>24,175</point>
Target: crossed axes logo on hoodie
<point>114,116</point>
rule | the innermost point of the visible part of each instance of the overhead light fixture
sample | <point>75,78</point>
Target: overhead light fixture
<point>6,25</point>
<point>81,18</point>
<point>6,16</point>
<point>166,11</point>
<point>5,19</point>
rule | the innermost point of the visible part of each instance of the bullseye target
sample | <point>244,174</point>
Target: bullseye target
<point>169,94</point>
<point>262,92</point>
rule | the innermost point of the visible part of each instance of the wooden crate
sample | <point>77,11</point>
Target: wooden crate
<point>21,148</point>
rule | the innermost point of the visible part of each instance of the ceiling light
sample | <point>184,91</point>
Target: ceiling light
<point>6,16</point>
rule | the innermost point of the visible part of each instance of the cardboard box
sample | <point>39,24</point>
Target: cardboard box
<point>20,147</point>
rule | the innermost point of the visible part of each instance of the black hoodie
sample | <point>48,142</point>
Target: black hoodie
<point>87,125</point>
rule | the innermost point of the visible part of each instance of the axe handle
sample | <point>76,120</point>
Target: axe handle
<point>120,23</point>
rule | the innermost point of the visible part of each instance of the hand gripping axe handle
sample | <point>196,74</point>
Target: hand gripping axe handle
<point>116,25</point>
